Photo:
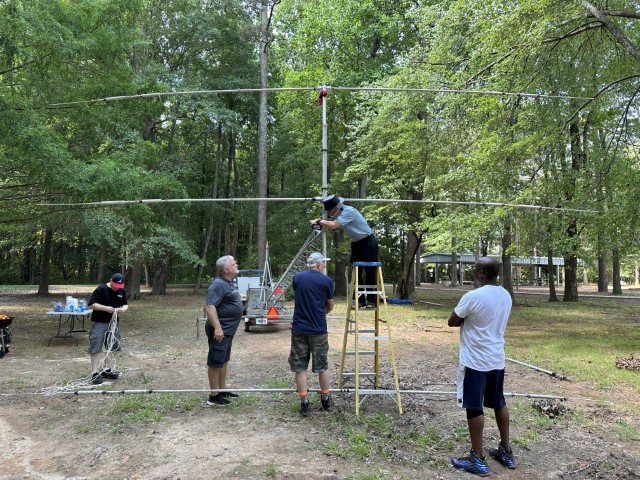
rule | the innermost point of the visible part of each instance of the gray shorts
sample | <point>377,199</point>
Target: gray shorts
<point>99,337</point>
<point>304,347</point>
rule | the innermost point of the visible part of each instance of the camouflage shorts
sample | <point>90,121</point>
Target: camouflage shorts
<point>307,347</point>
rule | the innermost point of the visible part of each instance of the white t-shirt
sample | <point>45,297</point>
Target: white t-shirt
<point>486,312</point>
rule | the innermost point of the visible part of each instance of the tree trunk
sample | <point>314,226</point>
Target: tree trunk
<point>477,257</point>
<point>570,281</point>
<point>551,276</point>
<point>43,285</point>
<point>406,285</point>
<point>29,263</point>
<point>603,280</point>
<point>132,280</point>
<point>571,267</point>
<point>148,276</point>
<point>578,160</point>
<point>454,262</point>
<point>418,266</point>
<point>507,281</point>
<point>617,281</point>
<point>207,238</point>
<point>159,278</point>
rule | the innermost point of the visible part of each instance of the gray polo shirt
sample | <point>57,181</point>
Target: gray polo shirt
<point>225,297</point>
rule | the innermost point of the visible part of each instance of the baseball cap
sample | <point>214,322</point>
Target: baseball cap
<point>117,280</point>
<point>315,258</point>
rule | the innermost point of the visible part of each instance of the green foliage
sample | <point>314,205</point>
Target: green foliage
<point>573,150</point>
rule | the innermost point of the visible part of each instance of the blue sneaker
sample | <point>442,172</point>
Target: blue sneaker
<point>503,456</point>
<point>472,464</point>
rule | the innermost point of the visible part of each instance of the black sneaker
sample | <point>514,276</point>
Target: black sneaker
<point>229,395</point>
<point>95,378</point>
<point>305,407</point>
<point>111,375</point>
<point>325,400</point>
<point>217,400</point>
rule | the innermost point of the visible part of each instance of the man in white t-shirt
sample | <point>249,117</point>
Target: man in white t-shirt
<point>482,316</point>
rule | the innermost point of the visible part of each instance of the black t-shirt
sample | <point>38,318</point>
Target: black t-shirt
<point>104,295</point>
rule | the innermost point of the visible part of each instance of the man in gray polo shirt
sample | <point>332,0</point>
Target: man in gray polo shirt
<point>224,312</point>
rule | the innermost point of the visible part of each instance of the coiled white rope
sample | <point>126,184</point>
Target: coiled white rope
<point>110,344</point>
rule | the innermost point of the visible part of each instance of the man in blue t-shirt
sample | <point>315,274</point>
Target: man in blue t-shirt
<point>313,295</point>
<point>364,244</point>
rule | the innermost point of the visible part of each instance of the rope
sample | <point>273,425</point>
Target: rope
<point>108,361</point>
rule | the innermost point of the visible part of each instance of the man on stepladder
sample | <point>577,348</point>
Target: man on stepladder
<point>313,295</point>
<point>482,316</point>
<point>364,244</point>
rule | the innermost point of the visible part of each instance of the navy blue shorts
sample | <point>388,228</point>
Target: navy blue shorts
<point>219,352</point>
<point>480,389</point>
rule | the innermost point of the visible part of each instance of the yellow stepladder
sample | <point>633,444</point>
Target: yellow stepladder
<point>356,318</point>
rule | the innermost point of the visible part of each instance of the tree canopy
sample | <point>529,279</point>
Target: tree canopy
<point>525,102</point>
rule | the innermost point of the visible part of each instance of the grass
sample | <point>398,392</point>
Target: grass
<point>134,409</point>
<point>625,431</point>
<point>579,340</point>
<point>270,471</point>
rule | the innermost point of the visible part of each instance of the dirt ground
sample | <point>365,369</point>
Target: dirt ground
<point>69,436</point>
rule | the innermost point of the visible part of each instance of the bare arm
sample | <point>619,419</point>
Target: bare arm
<point>329,305</point>
<point>212,316</point>
<point>328,224</point>
<point>455,320</point>
<point>105,308</point>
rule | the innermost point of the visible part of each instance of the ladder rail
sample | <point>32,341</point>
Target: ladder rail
<point>352,326</point>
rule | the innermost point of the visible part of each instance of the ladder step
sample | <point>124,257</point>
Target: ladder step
<point>362,374</point>
<point>365,352</point>
<point>361,331</point>
<point>370,339</point>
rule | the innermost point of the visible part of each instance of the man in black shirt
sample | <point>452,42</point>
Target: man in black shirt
<point>105,300</point>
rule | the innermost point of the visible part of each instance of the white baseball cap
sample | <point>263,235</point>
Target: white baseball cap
<point>315,258</point>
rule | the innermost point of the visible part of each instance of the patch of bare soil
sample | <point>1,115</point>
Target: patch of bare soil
<point>262,435</point>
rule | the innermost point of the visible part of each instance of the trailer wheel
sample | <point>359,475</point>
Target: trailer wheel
<point>247,326</point>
